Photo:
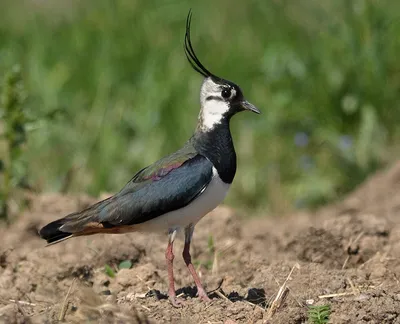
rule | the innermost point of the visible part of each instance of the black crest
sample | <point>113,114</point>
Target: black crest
<point>189,51</point>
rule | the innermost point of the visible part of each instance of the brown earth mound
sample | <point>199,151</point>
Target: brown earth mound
<point>347,256</point>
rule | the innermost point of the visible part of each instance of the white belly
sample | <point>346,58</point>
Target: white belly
<point>210,198</point>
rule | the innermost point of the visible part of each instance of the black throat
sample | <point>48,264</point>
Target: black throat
<point>216,145</point>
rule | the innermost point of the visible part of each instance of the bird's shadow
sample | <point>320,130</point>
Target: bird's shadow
<point>254,296</point>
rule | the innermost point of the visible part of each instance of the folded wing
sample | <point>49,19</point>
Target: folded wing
<point>167,185</point>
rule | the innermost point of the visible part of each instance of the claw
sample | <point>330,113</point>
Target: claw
<point>176,302</point>
<point>203,295</point>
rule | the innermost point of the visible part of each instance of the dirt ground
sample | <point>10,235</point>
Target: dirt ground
<point>346,255</point>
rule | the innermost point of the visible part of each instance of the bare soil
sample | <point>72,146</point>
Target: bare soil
<point>346,255</point>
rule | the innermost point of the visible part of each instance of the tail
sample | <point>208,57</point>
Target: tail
<point>52,234</point>
<point>84,222</point>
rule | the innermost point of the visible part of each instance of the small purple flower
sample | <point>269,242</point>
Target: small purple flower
<point>345,142</point>
<point>306,162</point>
<point>299,203</point>
<point>301,139</point>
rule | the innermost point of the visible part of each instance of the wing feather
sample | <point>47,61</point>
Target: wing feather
<point>146,196</point>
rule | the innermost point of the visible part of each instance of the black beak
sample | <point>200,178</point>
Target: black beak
<point>248,106</point>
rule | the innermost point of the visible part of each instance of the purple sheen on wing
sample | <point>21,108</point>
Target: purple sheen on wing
<point>163,172</point>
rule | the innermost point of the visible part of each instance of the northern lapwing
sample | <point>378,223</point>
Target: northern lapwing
<point>175,192</point>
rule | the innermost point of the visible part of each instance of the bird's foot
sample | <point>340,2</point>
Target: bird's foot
<point>176,302</point>
<point>203,295</point>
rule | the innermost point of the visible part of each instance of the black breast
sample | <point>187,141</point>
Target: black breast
<point>217,146</point>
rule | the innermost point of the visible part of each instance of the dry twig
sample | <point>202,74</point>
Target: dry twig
<point>280,296</point>
<point>336,295</point>
<point>349,246</point>
<point>65,302</point>
<point>21,302</point>
<point>220,294</point>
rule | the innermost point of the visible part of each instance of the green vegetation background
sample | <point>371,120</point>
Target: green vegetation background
<point>117,92</point>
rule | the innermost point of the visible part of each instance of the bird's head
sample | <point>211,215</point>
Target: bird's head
<point>220,99</point>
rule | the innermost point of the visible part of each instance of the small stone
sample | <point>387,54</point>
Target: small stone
<point>257,314</point>
<point>130,297</point>
<point>361,297</point>
<point>110,299</point>
<point>229,321</point>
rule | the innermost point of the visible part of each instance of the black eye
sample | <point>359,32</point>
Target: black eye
<point>226,93</point>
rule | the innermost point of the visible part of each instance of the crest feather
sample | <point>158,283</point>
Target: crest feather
<point>189,51</point>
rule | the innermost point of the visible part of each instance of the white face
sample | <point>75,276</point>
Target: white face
<point>213,105</point>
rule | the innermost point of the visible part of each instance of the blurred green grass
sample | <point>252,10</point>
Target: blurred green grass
<point>114,79</point>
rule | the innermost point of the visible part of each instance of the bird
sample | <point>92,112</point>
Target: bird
<point>174,193</point>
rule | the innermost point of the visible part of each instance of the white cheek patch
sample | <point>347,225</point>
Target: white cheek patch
<point>212,113</point>
<point>213,106</point>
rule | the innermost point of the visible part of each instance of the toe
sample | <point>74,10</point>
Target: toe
<point>176,302</point>
<point>203,296</point>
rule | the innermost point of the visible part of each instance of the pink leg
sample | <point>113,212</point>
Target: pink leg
<point>188,260</point>
<point>169,256</point>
